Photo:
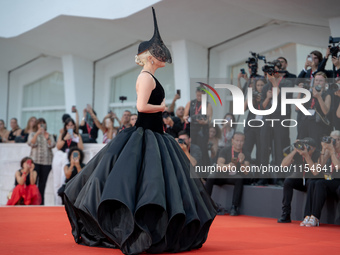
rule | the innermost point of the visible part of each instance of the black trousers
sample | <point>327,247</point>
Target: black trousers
<point>238,187</point>
<point>322,190</point>
<point>288,187</point>
<point>43,172</point>
<point>276,138</point>
<point>252,138</point>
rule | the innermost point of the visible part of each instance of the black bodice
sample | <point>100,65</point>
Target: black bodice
<point>153,121</point>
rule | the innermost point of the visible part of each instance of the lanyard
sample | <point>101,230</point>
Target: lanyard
<point>277,84</point>
<point>69,141</point>
<point>313,103</point>
<point>88,129</point>
<point>197,110</point>
<point>232,153</point>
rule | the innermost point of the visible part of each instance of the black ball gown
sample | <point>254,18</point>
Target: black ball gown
<point>136,194</point>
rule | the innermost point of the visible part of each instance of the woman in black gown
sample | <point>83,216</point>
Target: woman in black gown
<point>136,194</point>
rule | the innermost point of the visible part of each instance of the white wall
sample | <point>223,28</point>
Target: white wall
<point>25,75</point>
<point>3,95</point>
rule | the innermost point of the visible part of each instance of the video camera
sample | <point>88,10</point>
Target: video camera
<point>269,68</point>
<point>335,49</point>
<point>253,63</point>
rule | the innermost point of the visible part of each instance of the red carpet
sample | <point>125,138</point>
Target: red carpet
<point>46,230</point>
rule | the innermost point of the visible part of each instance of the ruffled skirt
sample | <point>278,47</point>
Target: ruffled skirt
<point>136,194</point>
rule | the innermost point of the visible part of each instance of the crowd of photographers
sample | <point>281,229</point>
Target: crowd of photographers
<point>315,153</point>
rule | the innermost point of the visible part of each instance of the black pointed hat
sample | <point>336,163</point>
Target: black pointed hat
<point>156,46</point>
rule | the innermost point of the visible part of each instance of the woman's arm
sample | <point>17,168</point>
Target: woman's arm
<point>97,122</point>
<point>33,175</point>
<point>60,142</point>
<point>68,170</point>
<point>20,179</point>
<point>325,105</point>
<point>144,86</point>
<point>80,143</point>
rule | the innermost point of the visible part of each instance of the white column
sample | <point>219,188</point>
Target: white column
<point>181,71</point>
<point>334,25</point>
<point>190,62</point>
<point>78,81</point>
<point>3,96</point>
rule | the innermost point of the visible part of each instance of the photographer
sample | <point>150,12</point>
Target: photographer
<point>252,69</point>
<point>15,131</point>
<point>125,120</point>
<point>230,157</point>
<point>75,157</point>
<point>333,52</point>
<point>317,124</point>
<point>172,125</point>
<point>68,139</point>
<point>199,124</point>
<point>192,151</point>
<point>253,134</point>
<point>227,131</point>
<point>42,144</point>
<point>313,62</point>
<point>107,126</point>
<point>319,190</point>
<point>304,157</point>
<point>284,64</point>
<point>89,129</point>
<point>25,191</point>
<point>274,131</point>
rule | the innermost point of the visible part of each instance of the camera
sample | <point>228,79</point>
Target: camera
<point>197,117</point>
<point>318,88</point>
<point>165,114</point>
<point>335,49</point>
<point>181,141</point>
<point>328,139</point>
<point>252,62</point>
<point>301,145</point>
<point>334,86</point>
<point>122,98</point>
<point>269,69</point>
<point>256,94</point>
<point>306,84</point>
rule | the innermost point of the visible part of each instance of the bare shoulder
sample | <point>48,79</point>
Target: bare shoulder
<point>145,80</point>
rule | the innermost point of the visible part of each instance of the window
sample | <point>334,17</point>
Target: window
<point>44,98</point>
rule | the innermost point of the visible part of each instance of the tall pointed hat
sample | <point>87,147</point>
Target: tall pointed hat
<point>155,45</point>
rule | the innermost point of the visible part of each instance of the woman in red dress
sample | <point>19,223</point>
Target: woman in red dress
<point>26,191</point>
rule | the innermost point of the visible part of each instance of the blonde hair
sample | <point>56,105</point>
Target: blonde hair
<point>321,74</point>
<point>141,59</point>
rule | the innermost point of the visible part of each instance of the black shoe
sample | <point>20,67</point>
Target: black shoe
<point>220,210</point>
<point>279,183</point>
<point>262,182</point>
<point>285,218</point>
<point>234,211</point>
